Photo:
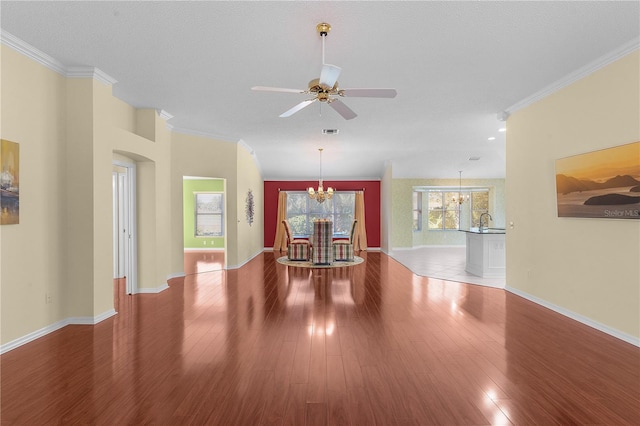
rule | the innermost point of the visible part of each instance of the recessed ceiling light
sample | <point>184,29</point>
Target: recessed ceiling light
<point>330,131</point>
<point>474,158</point>
<point>502,129</point>
<point>492,138</point>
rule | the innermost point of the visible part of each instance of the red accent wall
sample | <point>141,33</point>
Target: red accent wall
<point>371,204</point>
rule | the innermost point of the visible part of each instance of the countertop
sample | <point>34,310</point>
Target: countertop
<point>485,231</point>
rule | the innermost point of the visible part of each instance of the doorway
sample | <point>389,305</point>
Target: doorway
<point>125,263</point>
<point>204,214</point>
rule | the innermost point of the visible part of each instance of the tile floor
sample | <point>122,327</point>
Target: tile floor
<point>445,263</point>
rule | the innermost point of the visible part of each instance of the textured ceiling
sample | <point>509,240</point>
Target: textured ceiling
<point>455,66</point>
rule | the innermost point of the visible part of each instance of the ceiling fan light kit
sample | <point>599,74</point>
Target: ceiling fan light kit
<point>325,89</point>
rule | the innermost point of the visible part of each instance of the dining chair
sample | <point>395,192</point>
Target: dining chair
<point>297,249</point>
<point>343,249</point>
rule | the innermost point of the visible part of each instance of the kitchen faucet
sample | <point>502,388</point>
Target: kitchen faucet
<point>490,218</point>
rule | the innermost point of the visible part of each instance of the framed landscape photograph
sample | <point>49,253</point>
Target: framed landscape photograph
<point>600,184</point>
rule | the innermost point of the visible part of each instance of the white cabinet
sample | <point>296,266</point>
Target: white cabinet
<point>486,253</point>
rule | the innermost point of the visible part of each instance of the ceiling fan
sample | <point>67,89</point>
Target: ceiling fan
<point>325,89</point>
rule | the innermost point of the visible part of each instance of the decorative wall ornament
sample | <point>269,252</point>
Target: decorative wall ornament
<point>600,184</point>
<point>9,182</point>
<point>249,206</point>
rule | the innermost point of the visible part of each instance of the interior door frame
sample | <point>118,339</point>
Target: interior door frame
<point>131,242</point>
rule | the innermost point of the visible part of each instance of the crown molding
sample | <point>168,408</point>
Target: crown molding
<point>91,72</point>
<point>166,117</point>
<point>203,134</point>
<point>251,152</point>
<point>53,64</point>
<point>571,78</point>
<point>164,114</point>
<point>246,147</point>
<point>31,52</point>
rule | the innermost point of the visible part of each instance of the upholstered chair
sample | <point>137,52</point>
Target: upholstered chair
<point>322,238</point>
<point>343,249</point>
<point>296,249</point>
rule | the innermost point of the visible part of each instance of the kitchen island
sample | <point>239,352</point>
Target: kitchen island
<point>486,252</point>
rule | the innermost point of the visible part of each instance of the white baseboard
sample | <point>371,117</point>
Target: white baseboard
<point>246,261</point>
<point>577,317</point>
<point>433,246</point>
<point>152,290</point>
<point>32,336</point>
<point>56,326</point>
<point>91,320</point>
<point>176,275</point>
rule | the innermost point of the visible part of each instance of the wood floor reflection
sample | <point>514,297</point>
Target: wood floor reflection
<point>198,261</point>
<point>371,344</point>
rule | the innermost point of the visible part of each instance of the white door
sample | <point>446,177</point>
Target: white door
<point>124,235</point>
<point>116,225</point>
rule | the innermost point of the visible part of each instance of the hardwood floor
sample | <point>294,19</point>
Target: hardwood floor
<point>364,345</point>
<point>198,261</point>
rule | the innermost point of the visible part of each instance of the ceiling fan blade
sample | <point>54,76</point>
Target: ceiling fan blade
<point>369,93</point>
<point>342,109</point>
<point>276,89</point>
<point>297,108</point>
<point>329,76</point>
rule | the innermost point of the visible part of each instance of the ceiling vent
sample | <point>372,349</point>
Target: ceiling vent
<point>330,131</point>
<point>474,158</point>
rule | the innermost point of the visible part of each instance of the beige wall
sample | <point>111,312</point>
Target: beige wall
<point>69,131</point>
<point>249,177</point>
<point>587,268</point>
<point>34,254</point>
<point>205,157</point>
<point>386,215</point>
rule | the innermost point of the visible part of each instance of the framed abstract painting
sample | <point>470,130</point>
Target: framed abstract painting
<point>9,182</point>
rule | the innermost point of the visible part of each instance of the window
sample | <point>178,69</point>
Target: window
<point>479,205</point>
<point>444,211</point>
<point>447,214</point>
<point>209,220</point>
<point>302,211</point>
<point>417,211</point>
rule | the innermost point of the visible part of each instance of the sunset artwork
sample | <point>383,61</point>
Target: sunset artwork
<point>9,182</point>
<point>600,184</point>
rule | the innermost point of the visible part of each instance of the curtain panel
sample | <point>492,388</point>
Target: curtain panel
<point>360,237</point>
<point>280,241</point>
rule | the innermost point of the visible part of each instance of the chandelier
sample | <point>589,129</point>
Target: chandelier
<point>460,198</point>
<point>320,195</point>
